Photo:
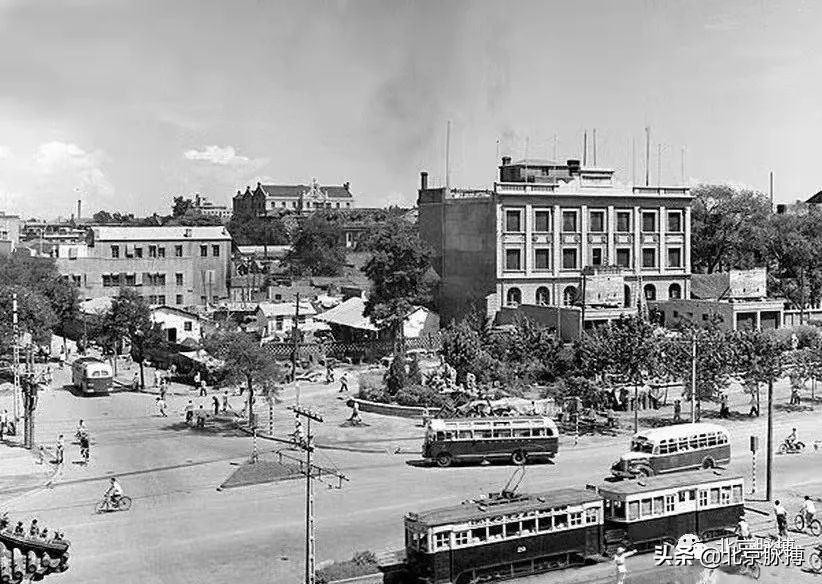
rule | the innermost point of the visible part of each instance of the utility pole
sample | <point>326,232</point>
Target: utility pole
<point>16,333</point>
<point>770,190</point>
<point>595,147</point>
<point>802,292</point>
<point>308,447</point>
<point>647,155</point>
<point>659,164</point>
<point>296,334</point>
<point>769,471</point>
<point>693,379</point>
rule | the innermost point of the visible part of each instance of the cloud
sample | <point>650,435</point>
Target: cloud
<point>223,156</point>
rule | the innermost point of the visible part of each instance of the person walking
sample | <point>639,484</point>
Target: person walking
<point>781,518</point>
<point>203,391</point>
<point>156,378</point>
<point>197,378</point>
<point>61,445</point>
<point>4,420</point>
<point>201,417</point>
<point>216,401</point>
<point>343,382</point>
<point>135,381</point>
<point>225,401</point>
<point>85,448</point>
<point>161,406</point>
<point>677,411</point>
<point>619,562</point>
<point>189,410</point>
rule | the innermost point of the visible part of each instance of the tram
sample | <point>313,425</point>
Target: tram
<point>509,535</point>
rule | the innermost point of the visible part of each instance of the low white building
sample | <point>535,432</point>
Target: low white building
<point>277,318</point>
<point>179,325</point>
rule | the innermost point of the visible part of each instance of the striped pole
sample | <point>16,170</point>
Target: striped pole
<point>271,416</point>
<point>254,451</point>
<point>753,472</point>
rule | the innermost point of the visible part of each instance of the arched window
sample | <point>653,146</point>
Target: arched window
<point>674,292</point>
<point>513,297</point>
<point>627,296</point>
<point>569,297</point>
<point>650,292</point>
<point>543,296</point>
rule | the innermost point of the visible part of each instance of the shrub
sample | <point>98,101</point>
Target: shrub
<point>361,564</point>
<point>421,396</point>
<point>396,377</point>
<point>414,373</point>
<point>370,381</point>
<point>806,336</point>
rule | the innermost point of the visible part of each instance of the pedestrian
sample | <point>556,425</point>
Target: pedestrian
<point>62,357</point>
<point>135,381</point>
<point>85,448</point>
<point>163,390</point>
<point>344,382</point>
<point>161,405</point>
<point>698,411</point>
<point>4,420</point>
<point>61,444</point>
<point>189,410</point>
<point>781,518</point>
<point>724,412</point>
<point>795,401</point>
<point>225,401</point>
<point>329,372</point>
<point>216,401</point>
<point>355,413</point>
<point>619,562</point>
<point>156,378</point>
<point>34,530</point>
<point>201,416</point>
<point>197,379</point>
<point>203,392</point>
<point>677,411</point>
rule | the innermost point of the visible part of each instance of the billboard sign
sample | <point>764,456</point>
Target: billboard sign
<point>747,283</point>
<point>605,290</point>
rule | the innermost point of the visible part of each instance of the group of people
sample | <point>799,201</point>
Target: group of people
<point>34,531</point>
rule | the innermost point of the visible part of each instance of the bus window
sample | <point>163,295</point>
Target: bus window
<point>529,526</point>
<point>483,434</point>
<point>502,432</point>
<point>673,447</point>
<point>642,446</point>
<point>645,507</point>
<point>591,516</point>
<point>522,433</point>
<point>560,521</point>
<point>663,447</point>
<point>440,436</point>
<point>693,442</point>
<point>464,434</point>
<point>723,438</point>
<point>670,503</point>
<point>737,493</point>
<point>549,432</point>
<point>576,518</point>
<point>703,441</point>
<point>633,510</point>
<point>450,435</point>
<point>712,439</point>
<point>538,432</point>
<point>714,496</point>
<point>682,444</point>
<point>658,509</point>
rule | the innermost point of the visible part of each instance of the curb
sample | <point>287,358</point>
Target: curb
<point>320,446</point>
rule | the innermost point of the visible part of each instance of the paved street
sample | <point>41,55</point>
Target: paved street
<point>181,529</point>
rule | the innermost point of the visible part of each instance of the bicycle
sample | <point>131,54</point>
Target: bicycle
<point>747,568</point>
<point>800,524</point>
<point>816,559</point>
<point>107,505</point>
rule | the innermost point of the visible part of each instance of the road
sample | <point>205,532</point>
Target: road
<point>181,529</point>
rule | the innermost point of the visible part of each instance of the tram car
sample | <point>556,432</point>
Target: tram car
<point>508,535</point>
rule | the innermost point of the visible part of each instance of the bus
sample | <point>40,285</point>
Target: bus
<point>481,439</point>
<point>91,376</point>
<point>508,534</point>
<point>674,448</point>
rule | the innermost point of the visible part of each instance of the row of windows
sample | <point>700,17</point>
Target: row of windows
<point>596,221</point>
<point>673,445</point>
<point>477,434</point>
<point>155,251</point>
<point>542,258</point>
<point>673,503</point>
<point>149,279</point>
<point>570,296</point>
<point>308,205</point>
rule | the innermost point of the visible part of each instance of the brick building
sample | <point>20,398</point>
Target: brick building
<point>180,266</point>
<point>271,199</point>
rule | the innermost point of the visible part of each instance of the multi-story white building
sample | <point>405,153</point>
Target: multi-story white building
<point>274,199</point>
<point>212,209</point>
<point>535,237</point>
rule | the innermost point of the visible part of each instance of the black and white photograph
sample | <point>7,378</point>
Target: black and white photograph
<point>410,291</point>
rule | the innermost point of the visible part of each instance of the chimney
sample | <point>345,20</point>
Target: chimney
<point>79,208</point>
<point>258,184</point>
<point>573,167</point>
<point>506,160</point>
<point>347,187</point>
<point>423,180</point>
<point>247,189</point>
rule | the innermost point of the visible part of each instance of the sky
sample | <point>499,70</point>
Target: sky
<point>125,104</point>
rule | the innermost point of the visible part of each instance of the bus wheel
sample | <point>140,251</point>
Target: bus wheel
<point>443,459</point>
<point>708,463</point>
<point>519,457</point>
<point>644,472</point>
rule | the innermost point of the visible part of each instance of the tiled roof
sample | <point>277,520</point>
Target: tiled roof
<point>350,314</point>
<point>270,309</point>
<point>295,191</point>
<point>129,233</point>
<point>816,199</point>
<point>708,286</point>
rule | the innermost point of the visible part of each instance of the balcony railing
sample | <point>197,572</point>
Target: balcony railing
<point>525,188</point>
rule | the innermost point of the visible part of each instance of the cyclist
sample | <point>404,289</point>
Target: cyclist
<point>790,440</point>
<point>114,492</point>
<point>743,530</point>
<point>808,510</point>
<point>81,429</point>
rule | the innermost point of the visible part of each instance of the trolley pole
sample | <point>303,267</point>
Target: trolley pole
<point>296,334</point>
<point>768,475</point>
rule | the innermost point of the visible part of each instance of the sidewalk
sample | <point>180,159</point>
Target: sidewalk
<point>20,470</point>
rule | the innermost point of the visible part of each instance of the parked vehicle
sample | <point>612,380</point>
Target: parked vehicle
<point>481,439</point>
<point>91,376</point>
<point>674,448</point>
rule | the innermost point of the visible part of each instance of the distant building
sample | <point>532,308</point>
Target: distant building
<point>277,318</point>
<point>180,266</point>
<point>349,323</point>
<point>273,199</point>
<point>179,325</point>
<point>206,207</point>
<point>9,233</point>
<point>544,229</point>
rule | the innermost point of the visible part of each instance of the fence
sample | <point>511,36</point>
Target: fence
<point>355,352</point>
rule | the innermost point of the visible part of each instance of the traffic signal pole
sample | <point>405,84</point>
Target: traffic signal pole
<point>769,469</point>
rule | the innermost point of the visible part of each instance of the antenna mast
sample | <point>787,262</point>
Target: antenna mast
<point>595,147</point>
<point>585,148</point>
<point>448,157</point>
<point>647,155</point>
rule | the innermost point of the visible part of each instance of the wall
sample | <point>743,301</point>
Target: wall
<point>421,322</point>
<point>10,229</point>
<point>545,316</point>
<point>173,320</point>
<point>696,310</point>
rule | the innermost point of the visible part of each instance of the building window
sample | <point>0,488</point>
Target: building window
<point>543,296</point>
<point>115,251</point>
<point>138,252</point>
<point>569,221</point>
<point>178,251</point>
<point>513,259</point>
<point>596,256</point>
<point>178,279</point>
<point>675,221</point>
<point>131,280</point>
<point>161,252</point>
<point>648,258</point>
<point>215,251</point>
<point>569,296</point>
<point>597,222</point>
<point>627,292</point>
<point>542,259</point>
<point>161,299</point>
<point>650,292</point>
<point>152,251</point>
<point>623,257</point>
<point>623,220</point>
<point>187,326</point>
<point>203,251</point>
<point>648,221</point>
<point>569,259</point>
<point>674,257</point>
<point>513,297</point>
<point>179,299</point>
<point>674,292</point>
<point>542,221</point>
<point>513,221</point>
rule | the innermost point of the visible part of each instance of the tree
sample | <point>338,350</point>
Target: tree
<point>244,360</point>
<point>181,206</point>
<point>727,228</point>
<point>757,357</point>
<point>318,248</point>
<point>252,230</point>
<point>129,317</point>
<point>396,377</point>
<point>34,315</point>
<point>397,268</point>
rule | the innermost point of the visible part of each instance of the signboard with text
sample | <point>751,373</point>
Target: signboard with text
<point>605,290</point>
<point>747,283</point>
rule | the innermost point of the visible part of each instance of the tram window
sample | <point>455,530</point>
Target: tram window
<point>502,432</point>
<point>485,434</point>
<point>440,436</point>
<point>714,496</point>
<point>512,529</point>
<point>450,435</point>
<point>538,432</point>
<point>522,433</point>
<point>737,493</point>
<point>495,532</point>
<point>670,503</point>
<point>618,511</point>
<point>422,545</point>
<point>479,534</point>
<point>725,496</point>
<point>633,510</point>
<point>441,540</point>
<point>645,507</point>
<point>658,506</point>
<point>703,498</point>
<point>461,538</point>
<point>576,518</point>
<point>545,523</point>
<point>464,434</point>
<point>591,515</point>
<point>529,526</point>
<point>561,521</point>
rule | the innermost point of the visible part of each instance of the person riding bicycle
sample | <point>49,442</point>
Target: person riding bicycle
<point>114,492</point>
<point>790,440</point>
<point>743,530</point>
<point>808,510</point>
